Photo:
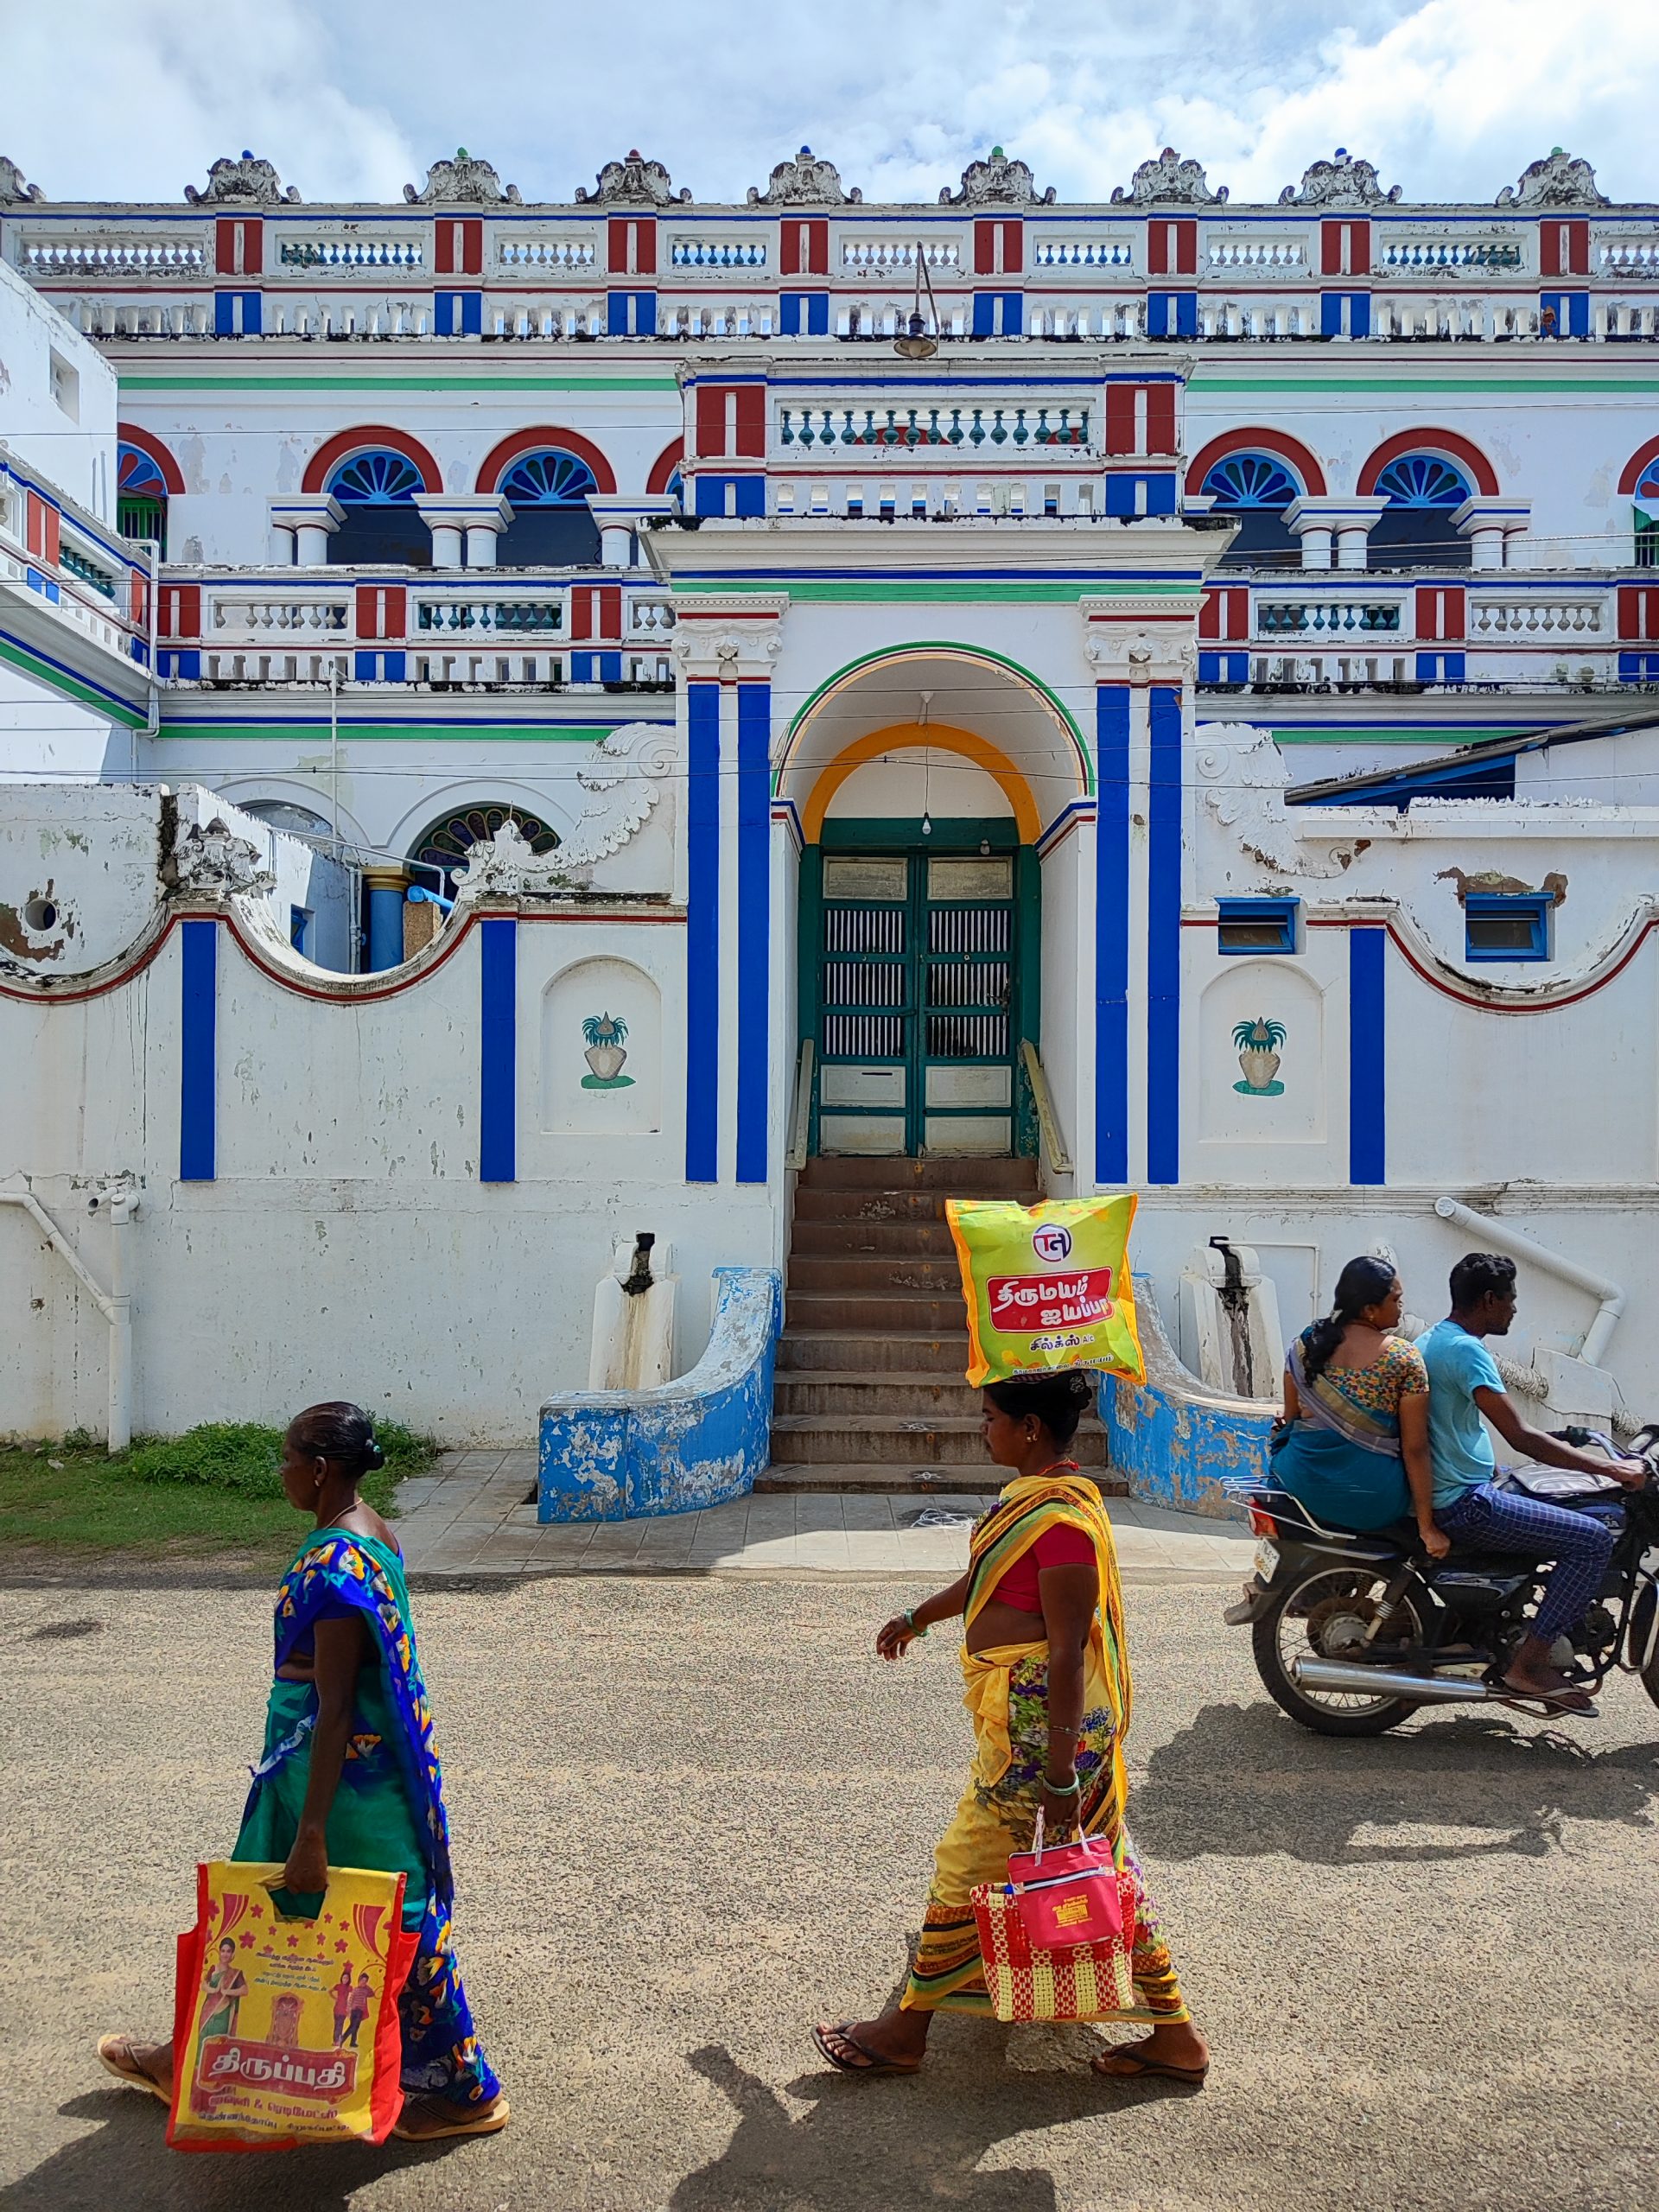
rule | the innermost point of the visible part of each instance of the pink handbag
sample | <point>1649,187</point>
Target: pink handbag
<point>1070,1894</point>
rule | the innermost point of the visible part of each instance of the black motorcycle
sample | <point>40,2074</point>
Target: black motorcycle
<point>1351,1634</point>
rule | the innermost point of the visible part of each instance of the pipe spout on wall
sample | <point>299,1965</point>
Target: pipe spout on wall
<point>1500,1238</point>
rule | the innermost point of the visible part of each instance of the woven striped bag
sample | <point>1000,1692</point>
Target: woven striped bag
<point>1083,1981</point>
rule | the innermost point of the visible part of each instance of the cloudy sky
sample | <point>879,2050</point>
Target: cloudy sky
<point>127,100</point>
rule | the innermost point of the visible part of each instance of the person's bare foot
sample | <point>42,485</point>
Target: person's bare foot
<point>147,2066</point>
<point>1175,2051</point>
<point>897,2039</point>
<point>1550,1684</point>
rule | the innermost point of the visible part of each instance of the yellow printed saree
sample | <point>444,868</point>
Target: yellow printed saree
<point>1007,1696</point>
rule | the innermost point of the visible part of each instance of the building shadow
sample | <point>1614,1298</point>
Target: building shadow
<point>124,2165</point>
<point>1244,1781</point>
<point>866,2147</point>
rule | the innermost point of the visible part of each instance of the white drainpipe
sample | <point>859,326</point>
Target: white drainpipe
<point>115,1304</point>
<point>1519,1246</point>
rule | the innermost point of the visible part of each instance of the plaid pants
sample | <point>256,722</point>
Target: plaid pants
<point>1492,1520</point>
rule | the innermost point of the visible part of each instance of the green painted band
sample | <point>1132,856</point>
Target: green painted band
<point>943,589</point>
<point>189,380</point>
<point>43,672</point>
<point>371,733</point>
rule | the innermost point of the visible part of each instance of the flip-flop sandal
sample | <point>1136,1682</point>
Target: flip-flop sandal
<point>450,2120</point>
<point>873,2062</point>
<point>115,2053</point>
<point>1193,2076</point>
<point>1575,1702</point>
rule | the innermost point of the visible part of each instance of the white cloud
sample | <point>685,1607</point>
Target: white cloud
<point>127,98</point>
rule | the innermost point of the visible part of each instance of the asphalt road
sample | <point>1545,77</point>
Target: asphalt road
<point>691,1816</point>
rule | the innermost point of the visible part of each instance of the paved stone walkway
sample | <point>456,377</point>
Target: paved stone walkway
<point>474,1516</point>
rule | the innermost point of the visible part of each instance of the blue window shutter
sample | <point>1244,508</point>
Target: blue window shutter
<point>443,314</point>
<point>1331,314</point>
<point>616,314</point>
<point>1014,305</point>
<point>471,314</point>
<point>789,314</point>
<point>223,314</point>
<point>817,315</point>
<point>751,495</point>
<point>1187,314</point>
<point>645,314</point>
<point>1161,495</point>
<point>252,316</point>
<point>1359,314</point>
<point>985,315</point>
<point>1158,315</point>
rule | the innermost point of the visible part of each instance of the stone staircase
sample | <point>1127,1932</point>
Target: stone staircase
<point>869,1393</point>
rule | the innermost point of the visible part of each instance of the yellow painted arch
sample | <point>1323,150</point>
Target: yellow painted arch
<point>909,737</point>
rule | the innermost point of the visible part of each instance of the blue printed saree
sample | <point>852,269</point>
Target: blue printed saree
<point>1341,1457</point>
<point>388,1811</point>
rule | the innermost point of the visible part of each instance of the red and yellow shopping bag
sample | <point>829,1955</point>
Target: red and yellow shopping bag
<point>1031,1980</point>
<point>286,2031</point>
<point>1047,1287</point>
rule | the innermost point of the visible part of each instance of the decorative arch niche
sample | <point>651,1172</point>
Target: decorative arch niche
<point>602,1043</point>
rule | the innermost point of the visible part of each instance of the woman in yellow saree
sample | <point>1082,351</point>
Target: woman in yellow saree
<point>1047,1676</point>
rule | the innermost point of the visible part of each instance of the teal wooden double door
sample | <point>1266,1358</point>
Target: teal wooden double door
<point>918,988</point>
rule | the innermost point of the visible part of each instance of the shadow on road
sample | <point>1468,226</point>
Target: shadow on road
<point>1242,1780</point>
<point>866,2147</point>
<point>124,2165</point>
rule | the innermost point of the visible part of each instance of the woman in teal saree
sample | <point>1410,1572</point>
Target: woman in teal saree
<point>350,1773</point>
<point>1353,1446</point>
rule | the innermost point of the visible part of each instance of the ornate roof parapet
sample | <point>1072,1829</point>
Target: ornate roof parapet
<point>1169,182</point>
<point>1560,179</point>
<point>506,868</point>
<point>213,860</point>
<point>806,180</point>
<point>465,178</point>
<point>12,186</point>
<point>634,181</point>
<point>244,182</point>
<point>997,182</point>
<point>1342,183</point>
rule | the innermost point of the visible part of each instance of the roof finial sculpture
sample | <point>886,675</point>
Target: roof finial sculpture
<point>11,183</point>
<point>1560,179</point>
<point>804,181</point>
<point>997,182</point>
<point>245,182</point>
<point>635,182</point>
<point>1168,182</point>
<point>1342,183</point>
<point>465,178</point>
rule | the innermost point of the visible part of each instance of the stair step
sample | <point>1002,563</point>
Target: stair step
<point>891,1209</point>
<point>871,1275</point>
<point>917,1237</point>
<point>936,1440</point>
<point>911,1394</point>
<point>964,1178</point>
<point>866,1477</point>
<point>943,1352</point>
<point>914,1310</point>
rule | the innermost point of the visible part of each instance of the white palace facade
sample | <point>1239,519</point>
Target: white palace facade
<point>1168,688</point>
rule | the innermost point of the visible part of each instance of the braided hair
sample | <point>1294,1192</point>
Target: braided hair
<point>341,1433</point>
<point>1058,1401</point>
<point>1364,1281</point>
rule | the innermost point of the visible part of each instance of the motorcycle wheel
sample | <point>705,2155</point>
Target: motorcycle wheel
<point>1291,1618</point>
<point>1636,1642</point>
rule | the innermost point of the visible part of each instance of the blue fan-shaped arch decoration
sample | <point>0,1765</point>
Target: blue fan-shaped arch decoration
<point>1423,479</point>
<point>448,843</point>
<point>136,475</point>
<point>550,478</point>
<point>1251,479</point>
<point>377,478</point>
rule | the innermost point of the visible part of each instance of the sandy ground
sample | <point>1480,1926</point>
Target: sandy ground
<point>692,1816</point>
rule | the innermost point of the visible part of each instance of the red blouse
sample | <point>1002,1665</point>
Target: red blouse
<point>1061,1546</point>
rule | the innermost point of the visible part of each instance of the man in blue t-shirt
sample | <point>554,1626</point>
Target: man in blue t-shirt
<point>1464,1385</point>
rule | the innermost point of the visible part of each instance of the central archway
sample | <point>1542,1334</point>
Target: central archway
<point>922,779</point>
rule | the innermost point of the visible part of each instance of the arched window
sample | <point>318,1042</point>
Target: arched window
<point>1646,502</point>
<point>1257,487</point>
<point>1414,530</point>
<point>140,495</point>
<point>382,525</point>
<point>287,814</point>
<point>451,839</point>
<point>552,525</point>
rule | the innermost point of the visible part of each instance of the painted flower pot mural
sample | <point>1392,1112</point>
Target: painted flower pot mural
<point>1258,1043</point>
<point>604,1034</point>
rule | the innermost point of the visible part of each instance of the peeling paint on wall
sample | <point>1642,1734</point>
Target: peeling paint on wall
<point>1177,1442</point>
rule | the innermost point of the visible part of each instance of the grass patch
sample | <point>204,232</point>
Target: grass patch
<point>214,1489</point>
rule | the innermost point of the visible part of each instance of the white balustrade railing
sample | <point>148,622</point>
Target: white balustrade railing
<point>1083,253</point>
<point>878,253</point>
<point>1252,252</point>
<point>649,618</point>
<point>933,498</point>
<point>717,253</point>
<point>545,253</point>
<point>972,428</point>
<point>1630,257</point>
<point>145,255</point>
<point>1524,616</point>
<point>256,616</point>
<point>1299,617</point>
<point>351,254</point>
<point>1449,253</point>
<point>497,613</point>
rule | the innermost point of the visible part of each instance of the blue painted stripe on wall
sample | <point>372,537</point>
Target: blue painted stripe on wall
<point>497,1059</point>
<point>1163,940</point>
<point>1368,1104</point>
<point>1112,935</point>
<point>702,934</point>
<point>198,1050</point>
<point>753,927</point>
